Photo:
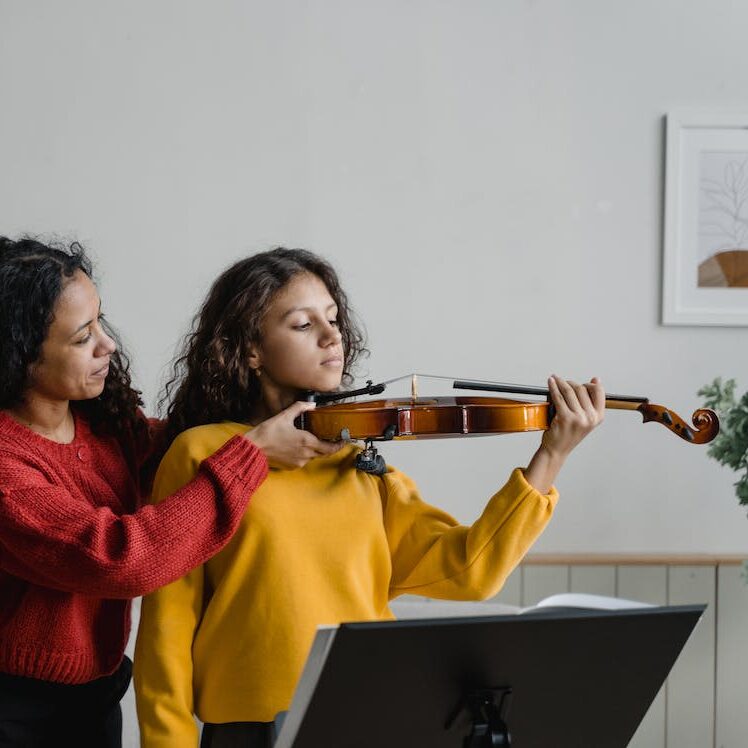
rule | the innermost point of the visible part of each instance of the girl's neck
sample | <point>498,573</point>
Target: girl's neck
<point>273,402</point>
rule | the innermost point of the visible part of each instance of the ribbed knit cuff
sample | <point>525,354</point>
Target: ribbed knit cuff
<point>522,485</point>
<point>35,660</point>
<point>238,460</point>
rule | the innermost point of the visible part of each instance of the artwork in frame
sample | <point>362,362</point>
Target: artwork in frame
<point>705,267</point>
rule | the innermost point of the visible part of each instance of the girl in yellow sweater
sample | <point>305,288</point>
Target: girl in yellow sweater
<point>319,544</point>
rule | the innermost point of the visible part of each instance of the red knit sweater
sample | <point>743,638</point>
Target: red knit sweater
<point>75,547</point>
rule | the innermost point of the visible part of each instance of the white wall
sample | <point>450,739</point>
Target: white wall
<point>487,176</point>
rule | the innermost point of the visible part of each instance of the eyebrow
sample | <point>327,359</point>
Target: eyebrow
<point>307,309</point>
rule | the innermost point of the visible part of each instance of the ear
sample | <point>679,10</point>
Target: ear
<point>255,359</point>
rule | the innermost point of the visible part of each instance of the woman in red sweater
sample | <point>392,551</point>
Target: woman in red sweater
<point>76,461</point>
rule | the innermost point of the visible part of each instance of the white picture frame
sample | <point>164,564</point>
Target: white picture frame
<point>705,240</point>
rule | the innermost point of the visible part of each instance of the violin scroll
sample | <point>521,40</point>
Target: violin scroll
<point>705,422</point>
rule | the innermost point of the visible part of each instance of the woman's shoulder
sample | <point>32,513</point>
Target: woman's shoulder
<point>200,442</point>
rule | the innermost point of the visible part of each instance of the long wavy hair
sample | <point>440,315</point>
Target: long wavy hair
<point>32,277</point>
<point>212,380</point>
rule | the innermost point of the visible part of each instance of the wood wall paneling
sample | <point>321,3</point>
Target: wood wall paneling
<point>732,659</point>
<point>690,685</point>
<point>539,582</point>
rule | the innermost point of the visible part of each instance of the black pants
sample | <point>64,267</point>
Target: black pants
<point>238,735</point>
<point>40,714</point>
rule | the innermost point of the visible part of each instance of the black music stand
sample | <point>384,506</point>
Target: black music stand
<point>551,678</point>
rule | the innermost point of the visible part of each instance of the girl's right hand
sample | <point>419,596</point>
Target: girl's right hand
<point>286,446</point>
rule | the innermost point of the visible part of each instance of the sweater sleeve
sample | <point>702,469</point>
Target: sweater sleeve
<point>162,673</point>
<point>435,556</point>
<point>51,538</point>
<point>169,618</point>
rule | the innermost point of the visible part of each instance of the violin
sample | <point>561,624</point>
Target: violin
<point>440,417</point>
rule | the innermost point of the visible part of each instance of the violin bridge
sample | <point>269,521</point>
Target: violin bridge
<point>414,386</point>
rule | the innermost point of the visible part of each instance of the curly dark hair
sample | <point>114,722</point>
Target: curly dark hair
<point>212,380</point>
<point>32,277</point>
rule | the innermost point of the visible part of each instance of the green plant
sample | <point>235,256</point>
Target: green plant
<point>730,447</point>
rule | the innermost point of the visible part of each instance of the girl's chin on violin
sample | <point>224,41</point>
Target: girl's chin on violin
<point>322,378</point>
<point>327,379</point>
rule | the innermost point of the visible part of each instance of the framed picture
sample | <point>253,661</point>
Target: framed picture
<point>705,263</point>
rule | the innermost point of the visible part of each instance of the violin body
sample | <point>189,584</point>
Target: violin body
<point>426,418</point>
<point>444,417</point>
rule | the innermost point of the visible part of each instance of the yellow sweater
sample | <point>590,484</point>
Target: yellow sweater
<point>319,545</point>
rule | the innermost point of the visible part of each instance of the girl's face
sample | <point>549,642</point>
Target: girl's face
<point>301,347</point>
<point>74,360</point>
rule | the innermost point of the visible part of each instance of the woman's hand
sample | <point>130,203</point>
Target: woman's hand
<point>579,409</point>
<point>284,445</point>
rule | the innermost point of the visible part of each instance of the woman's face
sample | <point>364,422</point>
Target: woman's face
<point>75,356</point>
<point>301,347</point>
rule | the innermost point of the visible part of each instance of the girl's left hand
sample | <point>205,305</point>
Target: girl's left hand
<point>579,409</point>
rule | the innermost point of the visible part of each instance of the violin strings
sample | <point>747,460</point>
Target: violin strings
<point>451,379</point>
